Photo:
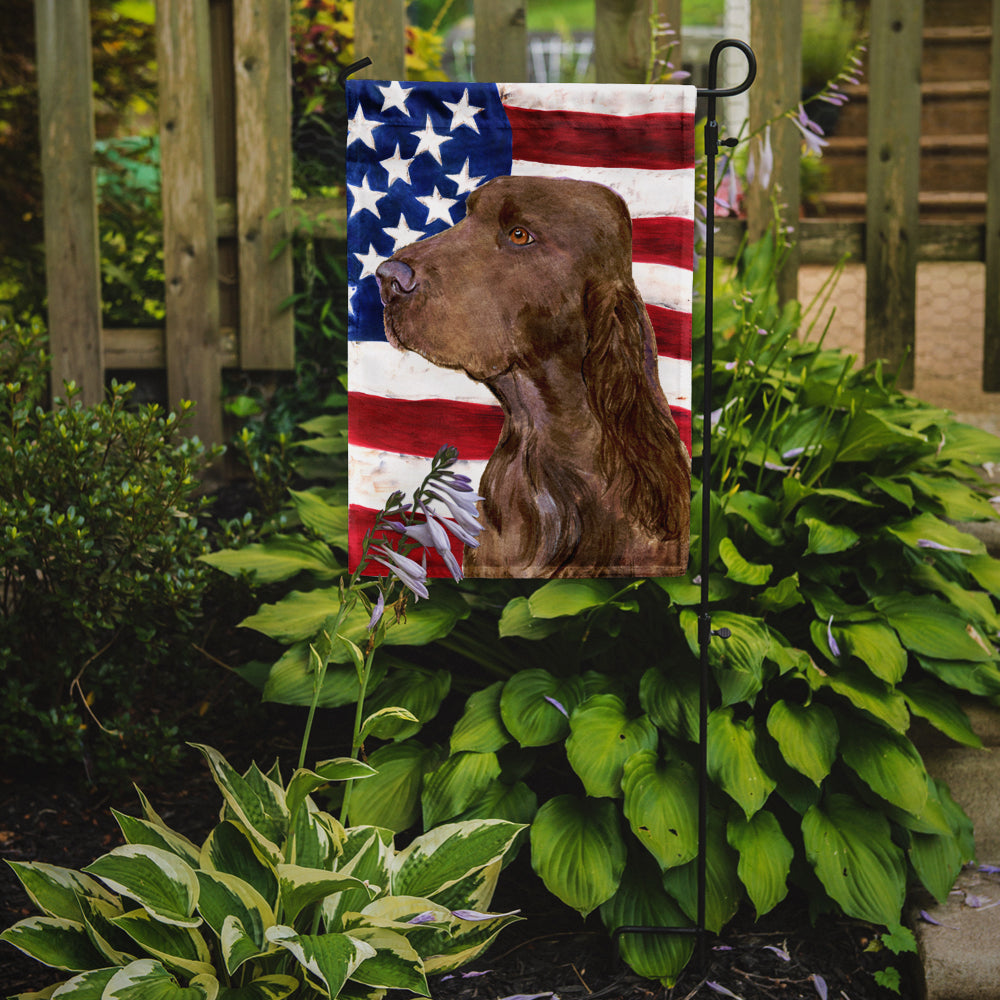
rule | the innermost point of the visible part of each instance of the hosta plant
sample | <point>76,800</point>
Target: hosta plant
<point>279,900</point>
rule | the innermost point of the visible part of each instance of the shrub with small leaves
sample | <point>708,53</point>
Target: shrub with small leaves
<point>99,574</point>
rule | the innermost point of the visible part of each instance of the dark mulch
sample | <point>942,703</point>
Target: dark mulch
<point>551,951</point>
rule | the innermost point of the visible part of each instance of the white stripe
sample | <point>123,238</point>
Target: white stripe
<point>664,285</point>
<point>635,99</point>
<point>646,192</point>
<point>373,475</point>
<point>377,369</point>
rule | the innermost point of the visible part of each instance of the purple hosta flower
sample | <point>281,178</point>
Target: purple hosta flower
<point>727,197</point>
<point>820,983</point>
<point>431,535</point>
<point>460,501</point>
<point>465,975</point>
<point>377,612</point>
<point>927,543</point>
<point>811,132</point>
<point>410,573</point>
<point>989,869</point>
<point>834,648</point>
<point>761,163</point>
<point>558,705</point>
<point>780,952</point>
<point>427,917</point>
<point>719,988</point>
<point>475,915</point>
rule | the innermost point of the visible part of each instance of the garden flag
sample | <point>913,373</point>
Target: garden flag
<point>520,279</point>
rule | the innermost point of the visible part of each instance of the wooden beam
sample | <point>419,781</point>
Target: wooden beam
<point>380,34</point>
<point>991,332</point>
<point>893,184</point>
<point>262,61</point>
<point>622,40</point>
<point>190,252</point>
<point>72,254</point>
<point>776,35</point>
<point>501,41</point>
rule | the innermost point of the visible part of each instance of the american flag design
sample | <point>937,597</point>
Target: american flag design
<point>414,153</point>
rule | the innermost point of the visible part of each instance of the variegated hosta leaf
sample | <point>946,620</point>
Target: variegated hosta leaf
<point>578,851</point>
<point>481,727</point>
<point>56,891</point>
<point>256,801</point>
<point>300,887</point>
<point>230,849</point>
<point>274,987</point>
<point>456,784</point>
<point>225,897</point>
<point>850,847</point>
<point>765,858</point>
<point>147,979</point>
<point>732,760</point>
<point>177,947</point>
<point>468,939</point>
<point>535,706</point>
<point>304,782</point>
<point>441,857</point>
<point>367,853</point>
<point>116,946</point>
<point>476,890</point>
<point>661,799</point>
<point>329,959</point>
<point>395,964</point>
<point>141,831</point>
<point>158,880</point>
<point>642,902</point>
<point>315,838</point>
<point>807,736</point>
<point>602,737</point>
<point>54,941</point>
<point>86,986</point>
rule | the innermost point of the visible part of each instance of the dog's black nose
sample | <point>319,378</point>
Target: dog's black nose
<point>395,279</point>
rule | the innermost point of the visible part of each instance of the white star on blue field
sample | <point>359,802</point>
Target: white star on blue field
<point>413,156</point>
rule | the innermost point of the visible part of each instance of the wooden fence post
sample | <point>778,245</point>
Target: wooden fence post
<point>72,255</point>
<point>776,35</point>
<point>190,251</point>
<point>893,183</point>
<point>991,332</point>
<point>501,41</point>
<point>262,60</point>
<point>380,34</point>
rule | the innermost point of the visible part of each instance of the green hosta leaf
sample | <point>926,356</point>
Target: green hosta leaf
<point>957,501</point>
<point>976,678</point>
<point>807,736</point>
<point>260,809</point>
<point>395,964</point>
<point>230,849</point>
<point>304,782</point>
<point>602,738</point>
<point>931,628</point>
<point>850,847</point>
<point>976,605</point>
<point>481,728</point>
<point>325,519</point>
<point>738,661</point>
<point>578,851</point>
<point>928,528</point>
<point>888,763</point>
<point>941,709</point>
<point>876,646</point>
<point>937,858</point>
<point>723,889</point>
<point>683,592</point>
<point>279,558</point>
<point>986,571</point>
<point>558,598</point>
<point>159,881</point>
<point>391,798</point>
<point>415,689</point>
<point>671,699</point>
<point>869,436</point>
<point>516,803</point>
<point>54,941</point>
<point>865,692</point>
<point>517,620</point>
<point>965,443</point>
<point>783,595</point>
<point>641,901</point>
<point>225,897</point>
<point>893,488</point>
<point>738,569</point>
<point>180,948</point>
<point>765,858</point>
<point>661,798</point>
<point>275,987</point>
<point>828,539</point>
<point>386,723</point>
<point>438,859</point>
<point>301,887</point>
<point>147,979</point>
<point>528,709</point>
<point>456,784</point>
<point>292,680</point>
<point>732,760</point>
<point>330,959</point>
<point>56,891</point>
<point>141,831</point>
<point>758,511</point>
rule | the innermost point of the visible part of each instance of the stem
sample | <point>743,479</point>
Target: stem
<point>356,738</point>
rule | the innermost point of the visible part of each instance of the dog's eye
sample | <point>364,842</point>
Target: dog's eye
<point>520,237</point>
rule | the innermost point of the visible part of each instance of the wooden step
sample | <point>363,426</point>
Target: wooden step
<point>939,13</point>
<point>947,163</point>
<point>957,206</point>
<point>956,53</point>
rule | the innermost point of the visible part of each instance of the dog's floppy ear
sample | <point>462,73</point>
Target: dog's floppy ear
<point>640,452</point>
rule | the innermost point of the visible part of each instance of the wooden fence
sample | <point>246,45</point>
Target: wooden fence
<point>226,160</point>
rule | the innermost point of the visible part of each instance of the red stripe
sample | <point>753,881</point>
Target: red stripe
<point>362,519</point>
<point>663,240</point>
<point>673,332</point>
<point>421,426</point>
<point>644,142</point>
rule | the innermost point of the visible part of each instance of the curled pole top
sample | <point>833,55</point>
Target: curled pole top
<point>712,91</point>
